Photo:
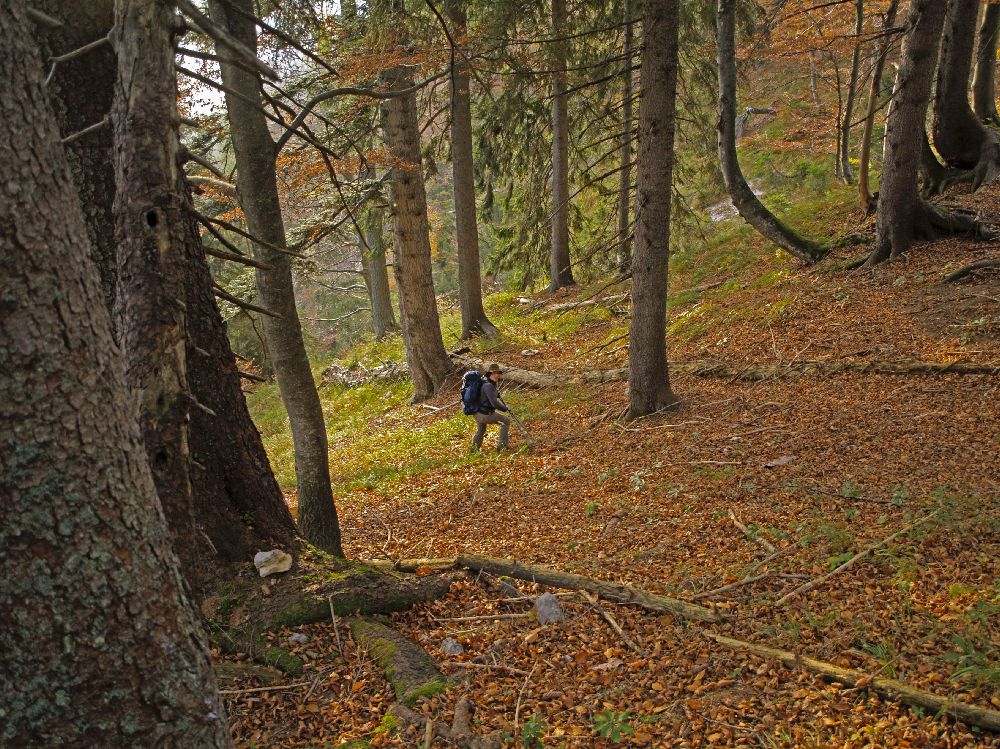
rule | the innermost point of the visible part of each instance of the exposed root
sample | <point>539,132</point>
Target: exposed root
<point>972,268</point>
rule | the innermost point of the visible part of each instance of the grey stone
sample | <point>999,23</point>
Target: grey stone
<point>298,638</point>
<point>548,610</point>
<point>451,646</point>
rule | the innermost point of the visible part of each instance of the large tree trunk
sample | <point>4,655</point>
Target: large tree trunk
<point>625,156</point>
<point>881,51</point>
<point>649,381</point>
<point>237,502</point>
<point>411,266</point>
<point>470,286</point>
<point>255,154</point>
<point>151,218</point>
<point>984,101</point>
<point>961,139</point>
<point>902,215</point>
<point>560,271</point>
<point>374,271</point>
<point>102,648</point>
<point>852,94</point>
<point>80,93</point>
<point>746,203</point>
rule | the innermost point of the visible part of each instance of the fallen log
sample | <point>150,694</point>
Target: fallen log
<point>969,714</point>
<point>411,671</point>
<point>615,592</point>
<point>749,372</point>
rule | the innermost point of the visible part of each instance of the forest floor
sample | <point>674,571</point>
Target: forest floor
<point>818,465</point>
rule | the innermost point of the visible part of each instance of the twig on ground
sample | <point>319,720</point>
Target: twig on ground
<point>520,696</point>
<point>486,666</point>
<point>336,629</point>
<point>595,602</point>
<point>771,548</point>
<point>254,690</point>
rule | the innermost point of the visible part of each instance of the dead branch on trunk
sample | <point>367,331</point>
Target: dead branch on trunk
<point>970,714</point>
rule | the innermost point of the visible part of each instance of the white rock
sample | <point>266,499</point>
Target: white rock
<point>298,638</point>
<point>271,562</point>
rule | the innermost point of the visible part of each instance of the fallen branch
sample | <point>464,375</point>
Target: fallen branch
<point>771,548</point>
<point>253,690</point>
<point>970,714</point>
<point>596,603</point>
<point>806,587</point>
<point>749,373</point>
<point>616,592</point>
<point>731,586</point>
<point>487,666</point>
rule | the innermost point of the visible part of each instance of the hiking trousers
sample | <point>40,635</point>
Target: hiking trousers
<point>484,420</point>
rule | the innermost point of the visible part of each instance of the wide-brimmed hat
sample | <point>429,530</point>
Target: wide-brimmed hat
<point>494,367</point>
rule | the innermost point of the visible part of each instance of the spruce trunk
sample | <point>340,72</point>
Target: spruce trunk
<point>984,81</point>
<point>470,285</point>
<point>625,156</point>
<point>258,189</point>
<point>899,204</point>
<point>102,647</point>
<point>560,271</point>
<point>852,95</point>
<point>864,160</point>
<point>649,381</point>
<point>425,352</point>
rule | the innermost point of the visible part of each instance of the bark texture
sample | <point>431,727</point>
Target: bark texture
<point>984,101</point>
<point>418,312</point>
<point>649,381</point>
<point>749,207</point>
<point>880,52</point>
<point>470,285</point>
<point>560,272</point>
<point>80,93</point>
<point>102,648</point>
<point>375,272</point>
<point>150,221</point>
<point>959,136</point>
<point>902,214</point>
<point>625,156</point>
<point>257,184</point>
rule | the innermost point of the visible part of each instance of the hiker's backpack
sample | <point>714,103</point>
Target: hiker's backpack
<point>472,383</point>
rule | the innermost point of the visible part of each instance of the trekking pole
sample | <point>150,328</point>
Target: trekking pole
<point>520,424</point>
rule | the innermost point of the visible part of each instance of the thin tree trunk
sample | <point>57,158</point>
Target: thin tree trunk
<point>958,134</point>
<point>902,215</point>
<point>625,158</point>
<point>852,93</point>
<point>255,154</point>
<point>102,647</point>
<point>470,287</point>
<point>150,221</point>
<point>418,316</point>
<point>874,94</point>
<point>560,271</point>
<point>984,81</point>
<point>748,205</point>
<point>649,380</point>
<point>376,274</point>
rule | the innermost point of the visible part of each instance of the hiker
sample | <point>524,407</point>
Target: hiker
<point>489,408</point>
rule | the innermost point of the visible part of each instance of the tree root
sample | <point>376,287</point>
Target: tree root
<point>971,268</point>
<point>969,714</point>
<point>460,733</point>
<point>411,671</point>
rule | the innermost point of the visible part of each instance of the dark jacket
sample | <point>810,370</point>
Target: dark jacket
<point>489,398</point>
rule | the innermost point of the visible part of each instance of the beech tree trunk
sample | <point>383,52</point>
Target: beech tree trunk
<point>470,286</point>
<point>150,221</point>
<point>375,272</point>
<point>418,312</point>
<point>255,156</point>
<point>649,380</point>
<point>902,215</point>
<point>625,158</point>
<point>852,93</point>
<point>881,51</point>
<point>984,81</point>
<point>746,203</point>
<point>958,134</point>
<point>102,647</point>
<point>560,271</point>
